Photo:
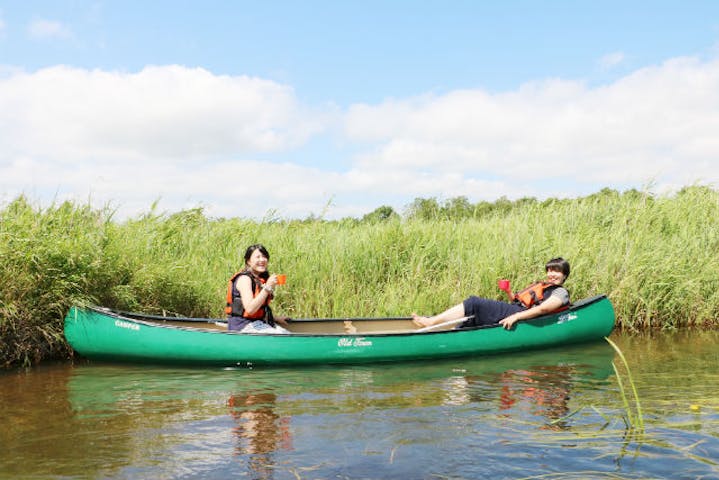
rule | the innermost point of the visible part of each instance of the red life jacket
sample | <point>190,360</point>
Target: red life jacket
<point>234,305</point>
<point>535,294</point>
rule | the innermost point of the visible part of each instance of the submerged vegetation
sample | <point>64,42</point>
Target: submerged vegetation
<point>655,257</point>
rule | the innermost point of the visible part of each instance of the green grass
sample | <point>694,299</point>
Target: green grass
<point>654,256</point>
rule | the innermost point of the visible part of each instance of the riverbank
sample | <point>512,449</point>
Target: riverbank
<point>653,256</point>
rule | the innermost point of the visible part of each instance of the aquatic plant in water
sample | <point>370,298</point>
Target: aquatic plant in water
<point>634,416</point>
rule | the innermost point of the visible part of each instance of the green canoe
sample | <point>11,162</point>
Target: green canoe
<point>103,334</point>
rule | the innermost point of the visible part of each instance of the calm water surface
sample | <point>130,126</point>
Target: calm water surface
<point>553,414</point>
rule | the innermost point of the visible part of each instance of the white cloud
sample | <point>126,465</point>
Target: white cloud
<point>611,60</point>
<point>659,122</point>
<point>42,29</point>
<point>190,137</point>
<point>171,111</point>
<point>123,135</point>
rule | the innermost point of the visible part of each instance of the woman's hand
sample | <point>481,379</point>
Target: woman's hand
<point>509,321</point>
<point>548,306</point>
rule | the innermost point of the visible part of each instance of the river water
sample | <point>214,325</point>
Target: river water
<point>549,415</point>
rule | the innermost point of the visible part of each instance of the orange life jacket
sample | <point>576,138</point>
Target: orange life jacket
<point>234,305</point>
<point>534,294</point>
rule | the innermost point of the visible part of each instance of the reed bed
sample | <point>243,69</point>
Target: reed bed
<point>655,257</point>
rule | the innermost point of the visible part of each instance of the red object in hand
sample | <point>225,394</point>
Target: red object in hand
<point>503,284</point>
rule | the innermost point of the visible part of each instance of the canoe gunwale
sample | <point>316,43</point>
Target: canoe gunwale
<point>152,321</point>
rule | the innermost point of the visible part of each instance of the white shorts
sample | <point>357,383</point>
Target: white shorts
<point>258,326</point>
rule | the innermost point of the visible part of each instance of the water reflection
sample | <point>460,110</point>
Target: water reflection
<point>542,392</point>
<point>131,420</point>
<point>536,387</point>
<point>517,414</point>
<point>260,431</point>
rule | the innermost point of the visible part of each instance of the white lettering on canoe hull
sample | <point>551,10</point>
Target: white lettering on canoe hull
<point>128,325</point>
<point>354,342</point>
<point>567,317</point>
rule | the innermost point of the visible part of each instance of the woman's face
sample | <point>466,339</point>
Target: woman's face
<point>555,276</point>
<point>257,262</point>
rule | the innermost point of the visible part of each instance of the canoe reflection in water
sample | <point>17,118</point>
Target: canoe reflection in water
<point>260,431</point>
<point>542,391</point>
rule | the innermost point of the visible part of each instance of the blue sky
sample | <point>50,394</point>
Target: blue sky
<point>336,108</point>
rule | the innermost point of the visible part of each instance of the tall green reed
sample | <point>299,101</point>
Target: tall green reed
<point>48,259</point>
<point>654,256</point>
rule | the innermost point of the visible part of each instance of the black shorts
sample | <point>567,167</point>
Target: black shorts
<point>487,312</point>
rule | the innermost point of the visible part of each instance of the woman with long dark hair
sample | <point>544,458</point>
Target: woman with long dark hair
<point>249,293</point>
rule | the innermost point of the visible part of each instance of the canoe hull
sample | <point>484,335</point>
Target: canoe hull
<point>102,334</point>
